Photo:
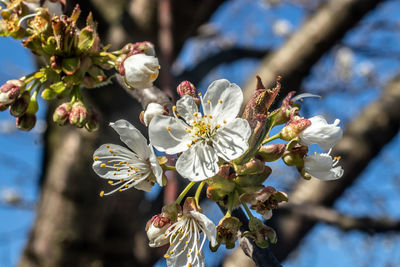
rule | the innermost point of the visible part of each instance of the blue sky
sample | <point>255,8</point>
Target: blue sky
<point>249,23</point>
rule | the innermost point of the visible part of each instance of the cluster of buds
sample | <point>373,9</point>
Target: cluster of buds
<point>76,114</point>
<point>75,59</point>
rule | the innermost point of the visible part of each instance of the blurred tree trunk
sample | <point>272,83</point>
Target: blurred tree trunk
<point>74,226</point>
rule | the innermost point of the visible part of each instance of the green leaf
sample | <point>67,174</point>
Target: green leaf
<point>86,39</point>
<point>70,65</point>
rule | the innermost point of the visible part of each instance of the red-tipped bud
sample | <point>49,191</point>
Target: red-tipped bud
<point>78,115</point>
<point>26,122</point>
<point>61,114</point>
<point>10,91</point>
<point>186,88</point>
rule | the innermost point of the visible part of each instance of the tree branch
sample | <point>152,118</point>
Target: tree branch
<point>318,213</point>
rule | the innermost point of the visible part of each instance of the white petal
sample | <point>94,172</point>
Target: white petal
<point>141,70</point>
<point>207,226</point>
<point>156,236</point>
<point>321,166</point>
<point>198,163</point>
<point>152,110</point>
<point>155,166</point>
<point>186,107</point>
<point>108,171</point>
<point>321,133</point>
<point>132,138</point>
<point>231,96</point>
<point>144,185</point>
<point>231,140</point>
<point>171,142</point>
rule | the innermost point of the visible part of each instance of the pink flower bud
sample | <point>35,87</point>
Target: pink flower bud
<point>186,88</point>
<point>61,114</point>
<point>10,91</point>
<point>78,115</point>
<point>155,230</point>
<point>294,127</point>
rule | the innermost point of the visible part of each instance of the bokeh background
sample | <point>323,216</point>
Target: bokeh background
<point>50,212</point>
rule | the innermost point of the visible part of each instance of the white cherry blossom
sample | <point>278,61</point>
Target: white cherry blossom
<point>203,139</point>
<point>141,70</point>
<point>185,239</point>
<point>323,167</point>
<point>126,168</point>
<point>321,133</point>
<point>152,109</point>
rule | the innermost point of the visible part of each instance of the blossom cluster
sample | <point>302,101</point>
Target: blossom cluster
<point>74,59</point>
<point>212,144</point>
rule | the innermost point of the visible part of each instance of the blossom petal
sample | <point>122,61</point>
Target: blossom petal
<point>107,159</point>
<point>321,133</point>
<point>231,141</point>
<point>186,107</point>
<point>198,163</point>
<point>321,166</point>
<point>132,138</point>
<point>225,100</point>
<point>207,226</point>
<point>168,134</point>
<point>155,166</point>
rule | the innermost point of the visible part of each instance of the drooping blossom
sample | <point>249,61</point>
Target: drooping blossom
<point>321,133</point>
<point>323,166</point>
<point>126,168</point>
<point>203,139</point>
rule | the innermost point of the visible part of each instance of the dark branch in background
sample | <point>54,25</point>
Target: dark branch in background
<point>317,213</point>
<point>363,139</point>
<point>321,31</point>
<point>202,68</point>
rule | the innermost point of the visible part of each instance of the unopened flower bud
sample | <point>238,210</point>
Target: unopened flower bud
<point>19,107</point>
<point>152,110</point>
<point>295,157</point>
<point>155,230</point>
<point>293,128</point>
<point>26,122</point>
<point>186,88</point>
<point>140,70</point>
<point>227,231</point>
<point>78,115</point>
<point>255,179</point>
<point>251,167</point>
<point>93,121</point>
<point>10,91</point>
<point>272,152</point>
<point>61,114</point>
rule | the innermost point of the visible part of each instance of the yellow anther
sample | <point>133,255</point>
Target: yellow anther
<point>102,165</point>
<point>207,131</point>
<point>188,130</point>
<point>118,169</point>
<point>195,114</point>
<point>114,154</point>
<point>166,256</point>
<point>217,126</point>
<point>168,128</point>
<point>199,94</point>
<point>121,180</point>
<point>114,165</point>
<point>96,158</point>
<point>224,121</point>
<point>101,193</point>
<point>120,190</point>
<point>220,101</point>
<point>110,182</point>
<point>108,162</point>
<point>189,264</point>
<point>135,178</point>
<point>115,173</point>
<point>188,255</point>
<point>126,185</point>
<point>208,102</point>
<point>107,146</point>
<point>337,158</point>
<point>195,140</point>
<point>189,145</point>
<point>210,116</point>
<point>171,252</point>
<point>197,252</point>
<point>111,151</point>
<point>187,242</point>
<point>174,108</point>
<point>121,162</point>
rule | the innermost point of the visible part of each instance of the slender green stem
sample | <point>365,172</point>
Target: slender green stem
<point>184,192</point>
<point>230,205</point>
<point>169,168</point>
<point>247,209</point>
<point>278,135</point>
<point>198,192</point>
